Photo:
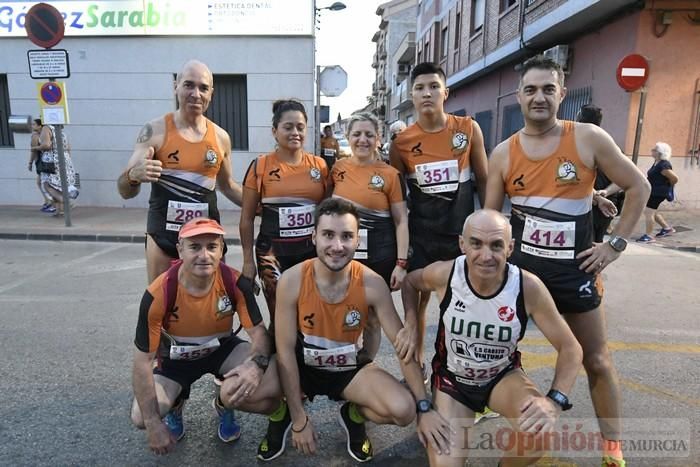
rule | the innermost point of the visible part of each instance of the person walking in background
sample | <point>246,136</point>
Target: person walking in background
<point>51,174</point>
<point>329,146</point>
<point>604,188</point>
<point>662,179</point>
<point>35,160</point>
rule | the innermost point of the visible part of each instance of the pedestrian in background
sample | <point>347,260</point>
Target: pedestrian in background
<point>662,179</point>
<point>604,188</point>
<point>51,176</point>
<point>35,160</point>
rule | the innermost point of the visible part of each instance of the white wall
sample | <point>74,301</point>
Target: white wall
<point>119,83</point>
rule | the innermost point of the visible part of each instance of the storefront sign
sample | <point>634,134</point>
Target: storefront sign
<point>170,17</point>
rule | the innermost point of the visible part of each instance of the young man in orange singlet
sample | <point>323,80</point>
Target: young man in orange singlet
<point>323,305</point>
<point>548,169</point>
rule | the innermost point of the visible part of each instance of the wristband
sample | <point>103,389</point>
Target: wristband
<point>306,422</point>
<point>402,263</point>
<point>130,180</point>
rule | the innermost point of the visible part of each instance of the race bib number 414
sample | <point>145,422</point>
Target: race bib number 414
<point>549,239</point>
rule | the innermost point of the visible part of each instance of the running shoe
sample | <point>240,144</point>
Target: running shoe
<point>359,445</point>
<point>48,208</point>
<point>173,420</point>
<point>610,461</point>
<point>275,440</point>
<point>665,232</point>
<point>229,429</point>
<point>487,413</point>
<point>646,239</point>
<point>44,207</point>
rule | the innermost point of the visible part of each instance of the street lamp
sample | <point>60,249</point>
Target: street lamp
<point>336,6</point>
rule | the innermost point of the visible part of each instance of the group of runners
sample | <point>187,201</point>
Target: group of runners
<point>333,245</point>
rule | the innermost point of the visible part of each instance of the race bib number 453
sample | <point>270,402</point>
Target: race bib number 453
<point>438,177</point>
<point>549,239</point>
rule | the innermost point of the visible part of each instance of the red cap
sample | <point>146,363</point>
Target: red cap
<point>200,226</point>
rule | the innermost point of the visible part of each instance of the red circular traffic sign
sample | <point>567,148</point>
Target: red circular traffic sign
<point>51,93</point>
<point>632,72</point>
<point>44,25</point>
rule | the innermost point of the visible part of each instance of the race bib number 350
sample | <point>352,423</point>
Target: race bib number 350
<point>296,221</point>
<point>337,359</point>
<point>180,212</point>
<point>438,177</point>
<point>549,239</point>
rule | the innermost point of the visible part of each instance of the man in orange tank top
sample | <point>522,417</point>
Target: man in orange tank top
<point>323,305</point>
<point>184,166</point>
<point>441,156</point>
<point>547,169</point>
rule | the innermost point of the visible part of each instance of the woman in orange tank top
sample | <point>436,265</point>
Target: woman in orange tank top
<point>378,192</point>
<point>287,183</point>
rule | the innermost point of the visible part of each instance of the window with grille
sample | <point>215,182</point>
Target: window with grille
<point>6,137</point>
<point>574,100</point>
<point>229,108</point>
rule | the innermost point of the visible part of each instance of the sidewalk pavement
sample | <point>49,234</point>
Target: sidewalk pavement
<point>128,225</point>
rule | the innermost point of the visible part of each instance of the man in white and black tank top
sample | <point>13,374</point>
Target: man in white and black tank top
<point>484,310</point>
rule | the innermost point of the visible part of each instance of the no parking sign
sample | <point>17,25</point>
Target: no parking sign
<point>52,100</point>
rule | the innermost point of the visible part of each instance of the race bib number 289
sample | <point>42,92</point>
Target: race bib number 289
<point>180,212</point>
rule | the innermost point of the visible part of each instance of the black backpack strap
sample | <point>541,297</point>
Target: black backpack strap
<point>170,291</point>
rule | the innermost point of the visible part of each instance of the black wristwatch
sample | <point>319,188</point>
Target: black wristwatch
<point>423,406</point>
<point>618,243</point>
<point>262,361</point>
<point>560,399</point>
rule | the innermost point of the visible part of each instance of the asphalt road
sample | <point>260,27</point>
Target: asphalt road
<point>68,312</point>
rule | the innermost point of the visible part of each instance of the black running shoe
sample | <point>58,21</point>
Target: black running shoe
<point>275,440</point>
<point>359,445</point>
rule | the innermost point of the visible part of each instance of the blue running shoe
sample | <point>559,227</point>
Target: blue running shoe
<point>229,429</point>
<point>646,239</point>
<point>173,420</point>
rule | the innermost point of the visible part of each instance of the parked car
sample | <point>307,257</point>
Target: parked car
<point>344,148</point>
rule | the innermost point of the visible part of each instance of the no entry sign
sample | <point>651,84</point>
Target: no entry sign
<point>632,72</point>
<point>44,25</point>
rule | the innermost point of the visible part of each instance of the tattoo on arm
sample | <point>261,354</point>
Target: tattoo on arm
<point>145,134</point>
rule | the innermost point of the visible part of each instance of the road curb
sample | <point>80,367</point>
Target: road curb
<point>71,237</point>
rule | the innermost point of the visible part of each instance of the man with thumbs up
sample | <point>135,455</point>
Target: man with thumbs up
<point>184,156</point>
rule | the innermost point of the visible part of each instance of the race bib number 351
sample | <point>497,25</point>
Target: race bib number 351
<point>296,221</point>
<point>438,177</point>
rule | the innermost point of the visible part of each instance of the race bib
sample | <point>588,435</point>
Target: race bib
<point>438,177</point>
<point>193,352</point>
<point>547,239</point>
<point>338,359</point>
<point>180,212</point>
<point>473,373</point>
<point>296,221</point>
<point>329,152</point>
<point>362,249</point>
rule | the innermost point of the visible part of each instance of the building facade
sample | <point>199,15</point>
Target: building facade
<point>122,77</point>
<point>480,44</point>
<point>394,57</point>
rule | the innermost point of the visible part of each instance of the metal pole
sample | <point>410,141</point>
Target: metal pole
<point>317,117</point>
<point>640,122</point>
<point>62,171</point>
